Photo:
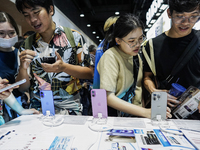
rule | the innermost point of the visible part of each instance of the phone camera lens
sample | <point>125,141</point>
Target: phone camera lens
<point>93,95</point>
<point>154,98</point>
<point>42,94</point>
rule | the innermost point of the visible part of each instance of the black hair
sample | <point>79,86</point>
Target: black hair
<point>123,26</point>
<point>28,33</point>
<point>21,4</point>
<point>183,5</point>
<point>91,48</point>
<point>5,17</point>
<point>20,41</point>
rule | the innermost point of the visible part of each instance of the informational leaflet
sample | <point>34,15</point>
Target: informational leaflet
<point>156,140</point>
<point>61,143</point>
<point>193,137</point>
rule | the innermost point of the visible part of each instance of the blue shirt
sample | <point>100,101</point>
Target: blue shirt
<point>9,65</point>
<point>99,53</point>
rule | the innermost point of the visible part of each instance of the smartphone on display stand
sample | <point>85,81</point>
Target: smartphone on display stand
<point>13,85</point>
<point>47,102</point>
<point>158,105</point>
<point>99,103</point>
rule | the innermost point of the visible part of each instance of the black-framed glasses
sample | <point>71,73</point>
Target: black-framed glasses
<point>9,33</point>
<point>135,42</point>
<point>181,19</point>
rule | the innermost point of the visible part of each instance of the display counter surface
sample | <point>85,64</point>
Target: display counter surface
<point>81,133</point>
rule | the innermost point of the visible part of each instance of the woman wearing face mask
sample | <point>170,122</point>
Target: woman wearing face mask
<point>9,64</point>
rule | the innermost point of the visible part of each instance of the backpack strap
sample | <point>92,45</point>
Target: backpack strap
<point>29,41</point>
<point>181,62</point>
<point>70,36</point>
<point>151,62</point>
<point>186,56</point>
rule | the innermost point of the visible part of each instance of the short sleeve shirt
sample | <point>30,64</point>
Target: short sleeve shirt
<point>116,74</point>
<point>61,44</point>
<point>166,53</point>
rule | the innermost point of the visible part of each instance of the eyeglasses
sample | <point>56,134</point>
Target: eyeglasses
<point>181,19</point>
<point>9,33</point>
<point>132,44</point>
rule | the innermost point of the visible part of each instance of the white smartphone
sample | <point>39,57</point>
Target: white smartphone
<point>13,85</point>
<point>158,105</point>
<point>47,102</point>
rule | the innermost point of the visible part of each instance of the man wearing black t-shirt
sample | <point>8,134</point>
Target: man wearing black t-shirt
<point>169,46</point>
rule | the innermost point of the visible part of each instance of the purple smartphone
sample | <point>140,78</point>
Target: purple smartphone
<point>47,102</point>
<point>99,102</point>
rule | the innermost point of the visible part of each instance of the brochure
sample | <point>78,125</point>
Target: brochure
<point>190,100</point>
<point>61,143</point>
<point>154,139</point>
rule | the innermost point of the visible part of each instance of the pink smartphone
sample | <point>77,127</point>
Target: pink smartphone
<point>99,103</point>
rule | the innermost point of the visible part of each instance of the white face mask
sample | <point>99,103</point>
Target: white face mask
<point>8,43</point>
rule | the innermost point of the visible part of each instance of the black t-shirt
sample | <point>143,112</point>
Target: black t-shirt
<point>167,51</point>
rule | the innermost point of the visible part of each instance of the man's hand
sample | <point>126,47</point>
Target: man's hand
<point>168,113</point>
<point>55,67</point>
<point>26,58</point>
<point>171,100</point>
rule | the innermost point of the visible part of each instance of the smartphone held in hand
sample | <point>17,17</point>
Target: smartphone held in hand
<point>13,85</point>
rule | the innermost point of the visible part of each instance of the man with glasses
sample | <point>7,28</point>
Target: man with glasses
<point>169,46</point>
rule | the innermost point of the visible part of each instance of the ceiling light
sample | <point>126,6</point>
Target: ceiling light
<point>100,40</point>
<point>97,37</point>
<point>149,25</point>
<point>116,13</point>
<point>93,32</point>
<point>88,25</point>
<point>146,30</point>
<point>153,21</point>
<point>163,6</point>
<point>81,15</point>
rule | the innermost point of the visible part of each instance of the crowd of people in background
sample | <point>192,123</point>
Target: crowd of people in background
<point>117,64</point>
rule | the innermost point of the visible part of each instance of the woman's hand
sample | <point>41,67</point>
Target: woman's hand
<point>3,84</point>
<point>148,113</point>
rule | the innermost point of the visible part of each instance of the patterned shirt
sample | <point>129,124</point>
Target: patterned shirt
<point>60,43</point>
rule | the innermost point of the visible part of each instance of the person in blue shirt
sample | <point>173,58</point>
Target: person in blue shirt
<point>100,50</point>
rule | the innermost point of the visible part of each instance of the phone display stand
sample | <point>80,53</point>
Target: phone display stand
<point>100,120</point>
<point>158,120</point>
<point>99,124</point>
<point>51,120</point>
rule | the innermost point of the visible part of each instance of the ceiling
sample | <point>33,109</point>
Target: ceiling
<point>97,11</point>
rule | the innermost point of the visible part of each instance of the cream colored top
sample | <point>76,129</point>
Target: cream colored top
<point>116,74</point>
